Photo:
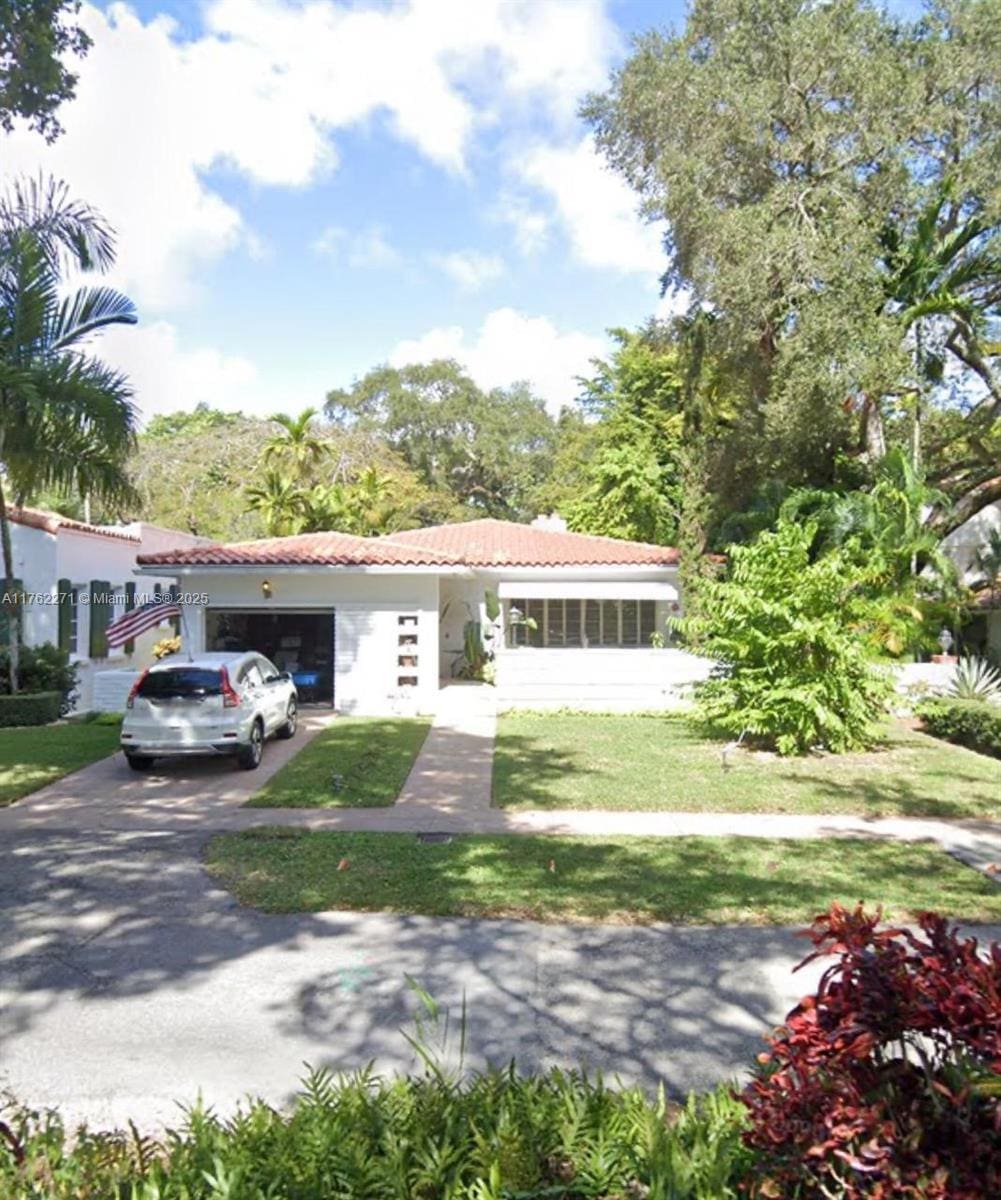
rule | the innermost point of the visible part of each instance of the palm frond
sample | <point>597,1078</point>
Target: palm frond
<point>66,229</point>
<point>86,311</point>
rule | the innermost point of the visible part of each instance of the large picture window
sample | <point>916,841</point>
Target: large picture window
<point>613,623</point>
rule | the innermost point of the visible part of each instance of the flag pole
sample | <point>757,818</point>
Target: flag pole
<point>186,633</point>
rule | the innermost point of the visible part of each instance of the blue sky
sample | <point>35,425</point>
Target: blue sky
<point>305,190</point>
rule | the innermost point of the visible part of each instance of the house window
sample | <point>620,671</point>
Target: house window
<point>558,623</point>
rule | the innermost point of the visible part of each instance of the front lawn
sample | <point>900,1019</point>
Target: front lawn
<point>712,881</point>
<point>358,762</point>
<point>31,757</point>
<point>589,761</point>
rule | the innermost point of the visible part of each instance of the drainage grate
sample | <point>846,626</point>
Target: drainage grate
<point>434,838</point>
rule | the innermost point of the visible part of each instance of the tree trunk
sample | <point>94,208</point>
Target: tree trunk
<point>14,621</point>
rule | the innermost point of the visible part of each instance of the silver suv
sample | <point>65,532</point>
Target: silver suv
<point>215,704</point>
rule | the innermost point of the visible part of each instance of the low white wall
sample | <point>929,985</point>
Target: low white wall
<point>598,679</point>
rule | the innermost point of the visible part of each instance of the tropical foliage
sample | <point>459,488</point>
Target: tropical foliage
<point>787,629</point>
<point>887,1081</point>
<point>66,418</point>
<point>491,1136</point>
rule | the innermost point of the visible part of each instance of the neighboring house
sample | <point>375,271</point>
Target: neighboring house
<point>983,634</point>
<point>77,577</point>
<point>375,625</point>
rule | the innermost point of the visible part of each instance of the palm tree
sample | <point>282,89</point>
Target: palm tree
<point>945,277</point>
<point>295,445</point>
<point>66,418</point>
<point>280,501</point>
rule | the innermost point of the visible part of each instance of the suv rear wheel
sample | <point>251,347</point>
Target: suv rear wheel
<point>139,762</point>
<point>249,757</point>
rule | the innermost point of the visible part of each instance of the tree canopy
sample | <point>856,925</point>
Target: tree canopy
<point>488,449</point>
<point>828,175</point>
<point>35,38</point>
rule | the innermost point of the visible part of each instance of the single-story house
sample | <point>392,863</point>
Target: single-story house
<point>73,578</point>
<point>376,625</point>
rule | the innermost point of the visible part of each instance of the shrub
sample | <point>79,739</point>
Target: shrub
<point>971,723</point>
<point>886,1082</point>
<point>29,708</point>
<point>44,668</point>
<point>794,671</point>
<point>495,1136</point>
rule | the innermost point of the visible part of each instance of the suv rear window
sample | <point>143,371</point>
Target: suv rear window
<point>180,681</point>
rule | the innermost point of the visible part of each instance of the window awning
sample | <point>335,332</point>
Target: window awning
<point>609,589</point>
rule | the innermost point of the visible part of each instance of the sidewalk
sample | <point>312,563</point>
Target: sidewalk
<point>448,790</point>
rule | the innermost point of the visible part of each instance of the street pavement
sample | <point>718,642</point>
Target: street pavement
<point>130,982</point>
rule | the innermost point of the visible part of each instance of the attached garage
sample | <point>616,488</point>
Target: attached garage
<point>299,641</point>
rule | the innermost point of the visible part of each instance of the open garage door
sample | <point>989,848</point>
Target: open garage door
<point>300,642</point>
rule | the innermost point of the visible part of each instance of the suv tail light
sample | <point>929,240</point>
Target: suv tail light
<point>134,689</point>
<point>230,697</point>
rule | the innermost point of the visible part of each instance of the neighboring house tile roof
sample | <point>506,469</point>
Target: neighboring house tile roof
<point>484,543</point>
<point>50,522</point>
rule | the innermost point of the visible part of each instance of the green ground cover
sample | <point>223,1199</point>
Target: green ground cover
<point>357,762</point>
<point>599,761</point>
<point>621,879</point>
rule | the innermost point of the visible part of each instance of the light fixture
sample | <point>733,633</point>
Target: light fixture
<point>266,588</point>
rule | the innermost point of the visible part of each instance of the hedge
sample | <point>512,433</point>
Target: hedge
<point>29,708</point>
<point>975,724</point>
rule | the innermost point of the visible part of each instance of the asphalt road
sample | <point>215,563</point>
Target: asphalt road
<point>129,982</point>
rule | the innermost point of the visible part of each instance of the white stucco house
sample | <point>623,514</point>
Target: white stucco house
<point>375,625</point>
<point>63,566</point>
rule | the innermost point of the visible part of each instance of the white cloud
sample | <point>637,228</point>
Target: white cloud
<point>529,224</point>
<point>366,248</point>
<point>261,92</point>
<point>511,346</point>
<point>597,209</point>
<point>167,376</point>
<point>470,269</point>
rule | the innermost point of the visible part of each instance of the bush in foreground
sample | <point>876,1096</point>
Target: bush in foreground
<point>887,1082</point>
<point>29,708</point>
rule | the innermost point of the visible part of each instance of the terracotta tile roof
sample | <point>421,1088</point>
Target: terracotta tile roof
<point>488,543</point>
<point>485,543</point>
<point>50,522</point>
<point>306,549</point>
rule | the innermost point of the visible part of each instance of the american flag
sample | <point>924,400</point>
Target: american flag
<point>139,620</point>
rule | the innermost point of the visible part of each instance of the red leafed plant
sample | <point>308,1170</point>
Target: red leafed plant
<point>887,1082</point>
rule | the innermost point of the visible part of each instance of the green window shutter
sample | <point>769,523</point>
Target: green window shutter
<point>11,602</point>
<point>175,622</point>
<point>65,588</point>
<point>130,603</point>
<point>100,616</point>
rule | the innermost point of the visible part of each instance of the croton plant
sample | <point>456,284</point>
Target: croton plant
<point>887,1082</point>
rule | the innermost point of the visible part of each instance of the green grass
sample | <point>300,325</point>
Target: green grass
<point>34,756</point>
<point>371,757</point>
<point>589,761</point>
<point>624,880</point>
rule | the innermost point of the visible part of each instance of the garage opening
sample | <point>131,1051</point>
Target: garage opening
<point>302,643</point>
